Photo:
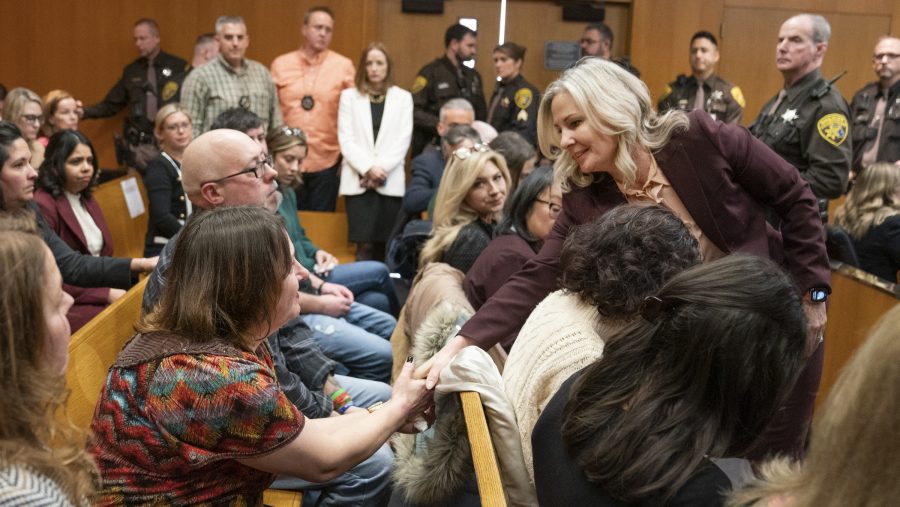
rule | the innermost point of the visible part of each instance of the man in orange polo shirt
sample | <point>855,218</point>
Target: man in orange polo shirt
<point>309,82</point>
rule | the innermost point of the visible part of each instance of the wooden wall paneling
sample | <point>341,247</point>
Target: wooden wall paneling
<point>748,52</point>
<point>855,6</point>
<point>82,45</point>
<point>529,23</point>
<point>661,33</point>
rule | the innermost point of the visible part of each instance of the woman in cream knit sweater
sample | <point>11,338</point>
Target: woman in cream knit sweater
<point>609,266</point>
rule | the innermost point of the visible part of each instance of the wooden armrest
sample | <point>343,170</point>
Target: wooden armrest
<point>282,498</point>
<point>487,471</point>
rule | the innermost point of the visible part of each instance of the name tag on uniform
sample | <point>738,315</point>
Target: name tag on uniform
<point>443,86</point>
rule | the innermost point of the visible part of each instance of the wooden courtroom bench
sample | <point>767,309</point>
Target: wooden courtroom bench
<point>128,234</point>
<point>857,301</point>
<point>328,230</point>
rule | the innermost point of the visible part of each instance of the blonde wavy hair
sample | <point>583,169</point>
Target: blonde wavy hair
<point>871,201</point>
<point>451,213</point>
<point>852,457</point>
<point>615,103</point>
<point>31,433</point>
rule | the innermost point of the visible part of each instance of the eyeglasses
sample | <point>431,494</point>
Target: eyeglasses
<point>292,131</point>
<point>890,57</point>
<point>33,118</point>
<point>466,152</point>
<point>258,170</point>
<point>178,126</point>
<point>551,206</point>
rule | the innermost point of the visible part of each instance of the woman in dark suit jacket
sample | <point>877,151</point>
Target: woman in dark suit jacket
<point>64,198</point>
<point>169,206</point>
<point>611,148</point>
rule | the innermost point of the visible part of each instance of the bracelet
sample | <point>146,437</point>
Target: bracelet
<point>375,406</point>
<point>341,400</point>
<point>319,288</point>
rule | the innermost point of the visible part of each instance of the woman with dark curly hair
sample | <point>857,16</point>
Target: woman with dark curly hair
<point>610,266</point>
<point>64,198</point>
<point>697,377</point>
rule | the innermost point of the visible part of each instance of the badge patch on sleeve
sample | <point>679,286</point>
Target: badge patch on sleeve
<point>666,93</point>
<point>419,84</point>
<point>833,128</point>
<point>523,98</point>
<point>738,96</point>
<point>169,90</point>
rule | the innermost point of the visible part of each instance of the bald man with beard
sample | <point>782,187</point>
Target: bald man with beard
<point>227,168</point>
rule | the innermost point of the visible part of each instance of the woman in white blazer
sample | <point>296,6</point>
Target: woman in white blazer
<point>374,130</point>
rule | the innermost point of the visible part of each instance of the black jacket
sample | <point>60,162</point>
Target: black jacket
<point>516,109</point>
<point>862,108</point>
<point>131,90</point>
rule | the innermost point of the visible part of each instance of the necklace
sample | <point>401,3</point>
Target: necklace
<point>376,99</point>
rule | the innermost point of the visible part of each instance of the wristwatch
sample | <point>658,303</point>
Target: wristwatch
<point>816,295</point>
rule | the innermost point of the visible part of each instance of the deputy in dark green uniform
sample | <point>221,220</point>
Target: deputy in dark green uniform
<point>806,123</point>
<point>514,104</point>
<point>704,89</point>
<point>137,90</point>
<point>875,110</point>
<point>443,79</point>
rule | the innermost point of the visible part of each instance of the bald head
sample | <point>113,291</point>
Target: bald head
<point>218,154</point>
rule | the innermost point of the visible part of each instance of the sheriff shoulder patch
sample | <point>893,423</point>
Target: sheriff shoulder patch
<point>833,128</point>
<point>419,84</point>
<point>169,91</point>
<point>738,96</point>
<point>666,93</point>
<point>523,98</point>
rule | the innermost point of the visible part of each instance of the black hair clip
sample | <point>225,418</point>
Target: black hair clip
<point>651,307</point>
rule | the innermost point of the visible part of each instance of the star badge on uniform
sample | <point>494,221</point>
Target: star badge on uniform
<point>789,116</point>
<point>833,128</point>
<point>716,95</point>
<point>166,72</point>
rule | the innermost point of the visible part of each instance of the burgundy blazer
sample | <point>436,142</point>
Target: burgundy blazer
<point>726,178</point>
<point>61,218</point>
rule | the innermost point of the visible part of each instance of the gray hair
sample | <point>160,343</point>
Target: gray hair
<point>457,103</point>
<point>457,133</point>
<point>228,20</point>
<point>821,30</point>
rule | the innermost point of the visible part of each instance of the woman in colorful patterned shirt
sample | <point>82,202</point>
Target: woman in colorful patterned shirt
<point>192,411</point>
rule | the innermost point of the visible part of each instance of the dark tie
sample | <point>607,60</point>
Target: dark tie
<point>871,153</point>
<point>700,98</point>
<point>781,95</point>
<point>495,102</point>
<point>151,91</point>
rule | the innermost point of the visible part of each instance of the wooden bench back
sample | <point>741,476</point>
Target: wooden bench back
<point>128,234</point>
<point>94,348</point>
<point>857,301</point>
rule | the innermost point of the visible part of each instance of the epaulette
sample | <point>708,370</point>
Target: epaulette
<point>823,89</point>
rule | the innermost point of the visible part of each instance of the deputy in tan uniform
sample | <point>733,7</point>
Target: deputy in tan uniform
<point>806,122</point>
<point>703,89</point>
<point>876,110</point>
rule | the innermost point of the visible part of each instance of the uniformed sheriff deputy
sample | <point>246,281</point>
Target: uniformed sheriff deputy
<point>443,79</point>
<point>875,110</point>
<point>704,89</point>
<point>146,85</point>
<point>806,123</point>
<point>514,104</point>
